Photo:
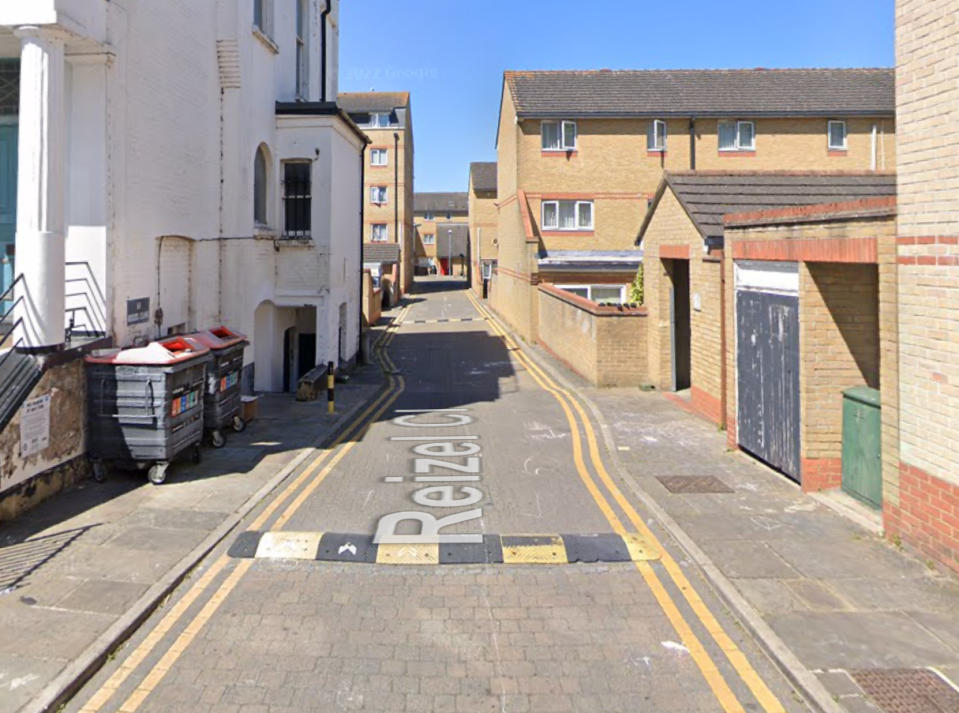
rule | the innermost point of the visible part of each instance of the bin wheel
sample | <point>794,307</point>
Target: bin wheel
<point>196,457</point>
<point>100,472</point>
<point>239,425</point>
<point>157,473</point>
<point>219,440</point>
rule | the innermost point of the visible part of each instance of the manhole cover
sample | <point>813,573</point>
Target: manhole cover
<point>693,484</point>
<point>908,690</point>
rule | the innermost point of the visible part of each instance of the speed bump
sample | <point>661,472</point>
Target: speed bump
<point>494,549</point>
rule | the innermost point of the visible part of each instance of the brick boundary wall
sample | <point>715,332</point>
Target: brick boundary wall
<point>604,344</point>
<point>927,516</point>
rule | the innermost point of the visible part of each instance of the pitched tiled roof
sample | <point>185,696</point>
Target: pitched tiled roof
<point>703,92</point>
<point>352,102</point>
<point>455,243</point>
<point>483,176</point>
<point>381,252</point>
<point>439,203</point>
<point>709,195</point>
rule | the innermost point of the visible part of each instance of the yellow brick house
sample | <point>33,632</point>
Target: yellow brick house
<point>442,223</point>
<point>484,244</point>
<point>580,155</point>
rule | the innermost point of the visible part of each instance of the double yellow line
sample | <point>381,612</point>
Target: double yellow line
<point>357,428</point>
<point>708,668</point>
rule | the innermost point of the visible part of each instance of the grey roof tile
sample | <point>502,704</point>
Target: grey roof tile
<point>439,203</point>
<point>352,102</point>
<point>381,252</point>
<point>483,176</point>
<point>703,92</point>
<point>708,196</point>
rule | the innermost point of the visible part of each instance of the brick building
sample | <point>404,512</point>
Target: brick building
<point>442,224</point>
<point>683,238</point>
<point>386,117</point>
<point>921,483</point>
<point>580,154</point>
<point>482,223</point>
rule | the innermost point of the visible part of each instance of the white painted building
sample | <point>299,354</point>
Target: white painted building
<point>181,164</point>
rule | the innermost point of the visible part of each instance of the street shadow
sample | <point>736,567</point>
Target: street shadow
<point>22,556</point>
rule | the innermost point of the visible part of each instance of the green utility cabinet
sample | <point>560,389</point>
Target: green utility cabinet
<point>862,445</point>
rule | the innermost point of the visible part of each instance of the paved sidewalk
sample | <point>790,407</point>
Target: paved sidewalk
<point>846,603</point>
<point>92,560</point>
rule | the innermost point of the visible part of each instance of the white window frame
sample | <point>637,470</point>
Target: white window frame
<point>376,116</point>
<point>576,226</point>
<point>381,152</point>
<point>739,145</point>
<point>589,290</point>
<point>375,199</point>
<point>561,128</point>
<point>385,233</point>
<point>429,239</point>
<point>657,145</point>
<point>845,135</point>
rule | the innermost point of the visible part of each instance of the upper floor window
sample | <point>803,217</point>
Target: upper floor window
<point>378,157</point>
<point>297,199</point>
<point>380,233</point>
<point>558,135</point>
<point>302,56</point>
<point>428,215</point>
<point>263,16</point>
<point>379,119</point>
<point>656,135</point>
<point>737,136</point>
<point>837,135</point>
<point>260,187</point>
<point>567,215</point>
<point>378,194</point>
<point>429,239</point>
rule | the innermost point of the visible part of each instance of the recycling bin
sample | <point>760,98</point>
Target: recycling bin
<point>145,405</point>
<point>221,398</point>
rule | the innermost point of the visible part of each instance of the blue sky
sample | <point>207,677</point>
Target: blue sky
<point>450,54</point>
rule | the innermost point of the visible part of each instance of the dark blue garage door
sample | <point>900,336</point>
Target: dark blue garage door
<point>767,326</point>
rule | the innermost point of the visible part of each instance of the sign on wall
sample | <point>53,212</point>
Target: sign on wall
<point>138,311</point>
<point>35,426</point>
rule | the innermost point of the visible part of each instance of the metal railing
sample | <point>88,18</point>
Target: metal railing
<point>4,338</point>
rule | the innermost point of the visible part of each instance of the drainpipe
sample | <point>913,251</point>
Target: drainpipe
<point>396,206</point>
<point>359,344</point>
<point>722,337</point>
<point>692,143</point>
<point>323,16</point>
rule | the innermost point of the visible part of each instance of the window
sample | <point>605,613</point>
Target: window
<point>260,187</point>
<point>737,136</point>
<point>567,215</point>
<point>656,135</point>
<point>263,16</point>
<point>297,201</point>
<point>558,135</point>
<point>602,294</point>
<point>378,194</point>
<point>302,57</point>
<point>380,233</point>
<point>428,215</point>
<point>377,157</point>
<point>837,135</point>
<point>380,119</point>
<point>429,239</point>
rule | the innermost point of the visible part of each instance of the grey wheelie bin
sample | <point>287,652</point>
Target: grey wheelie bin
<point>221,398</point>
<point>145,405</point>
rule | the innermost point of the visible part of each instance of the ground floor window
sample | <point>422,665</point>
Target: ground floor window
<point>601,294</point>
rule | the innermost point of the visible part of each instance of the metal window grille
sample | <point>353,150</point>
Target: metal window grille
<point>9,87</point>
<point>297,200</point>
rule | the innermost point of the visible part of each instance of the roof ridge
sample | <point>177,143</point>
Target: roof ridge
<point>521,72</point>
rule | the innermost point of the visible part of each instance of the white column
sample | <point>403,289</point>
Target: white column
<point>40,188</point>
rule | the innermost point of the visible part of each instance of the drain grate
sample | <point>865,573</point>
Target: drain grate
<point>908,690</point>
<point>693,484</point>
